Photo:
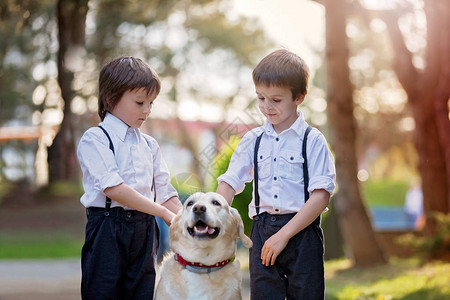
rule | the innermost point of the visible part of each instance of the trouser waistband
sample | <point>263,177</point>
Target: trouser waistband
<point>117,212</point>
<point>283,218</point>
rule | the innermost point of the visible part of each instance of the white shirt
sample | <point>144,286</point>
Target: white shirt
<point>136,160</point>
<point>280,167</point>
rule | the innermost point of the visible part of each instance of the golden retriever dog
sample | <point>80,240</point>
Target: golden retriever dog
<point>203,239</point>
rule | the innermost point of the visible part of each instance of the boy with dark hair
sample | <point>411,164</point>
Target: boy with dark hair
<point>294,177</point>
<point>126,184</point>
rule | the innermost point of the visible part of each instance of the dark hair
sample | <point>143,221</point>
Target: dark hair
<point>283,68</point>
<point>122,74</point>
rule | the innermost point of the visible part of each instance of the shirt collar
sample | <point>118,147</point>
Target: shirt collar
<point>298,126</point>
<point>116,125</point>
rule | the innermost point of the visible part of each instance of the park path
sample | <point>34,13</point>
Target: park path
<point>40,279</point>
<point>55,279</point>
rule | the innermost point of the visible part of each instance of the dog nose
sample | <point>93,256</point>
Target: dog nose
<point>199,209</point>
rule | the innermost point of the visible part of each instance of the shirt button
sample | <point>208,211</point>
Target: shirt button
<point>273,219</point>
<point>275,159</point>
<point>275,196</point>
<point>260,157</point>
<point>277,210</point>
<point>277,139</point>
<point>292,158</point>
<point>129,214</point>
<point>275,178</point>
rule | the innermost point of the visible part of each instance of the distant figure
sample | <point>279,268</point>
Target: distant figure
<point>414,206</point>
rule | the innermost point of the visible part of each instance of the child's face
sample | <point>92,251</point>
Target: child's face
<point>134,107</point>
<point>277,105</point>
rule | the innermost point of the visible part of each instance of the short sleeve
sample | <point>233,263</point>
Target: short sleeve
<point>97,161</point>
<point>321,168</point>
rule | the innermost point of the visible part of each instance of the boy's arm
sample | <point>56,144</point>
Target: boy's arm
<point>226,191</point>
<point>315,205</point>
<point>129,197</point>
<point>173,204</point>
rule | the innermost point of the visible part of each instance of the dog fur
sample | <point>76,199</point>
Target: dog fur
<point>207,242</point>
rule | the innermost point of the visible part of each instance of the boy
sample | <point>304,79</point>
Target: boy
<point>126,185</point>
<point>286,260</point>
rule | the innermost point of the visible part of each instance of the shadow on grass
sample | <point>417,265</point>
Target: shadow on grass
<point>345,272</point>
<point>425,294</point>
<point>408,279</point>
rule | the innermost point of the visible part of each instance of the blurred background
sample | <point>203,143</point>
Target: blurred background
<point>379,91</point>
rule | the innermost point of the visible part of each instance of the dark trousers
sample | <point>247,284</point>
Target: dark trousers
<point>119,255</point>
<point>298,272</point>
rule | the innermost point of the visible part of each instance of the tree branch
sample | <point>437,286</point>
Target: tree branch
<point>433,58</point>
<point>406,72</point>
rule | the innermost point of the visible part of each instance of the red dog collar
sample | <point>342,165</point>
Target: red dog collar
<point>201,268</point>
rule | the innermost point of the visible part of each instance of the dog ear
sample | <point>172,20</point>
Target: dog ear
<point>175,226</point>
<point>246,241</point>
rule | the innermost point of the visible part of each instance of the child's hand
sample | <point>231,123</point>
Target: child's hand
<point>168,217</point>
<point>273,247</point>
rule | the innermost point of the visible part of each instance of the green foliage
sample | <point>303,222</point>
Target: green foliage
<point>174,37</point>
<point>234,36</point>
<point>436,246</point>
<point>186,184</point>
<point>242,200</point>
<point>400,279</point>
<point>24,32</point>
<point>384,192</point>
<point>39,245</point>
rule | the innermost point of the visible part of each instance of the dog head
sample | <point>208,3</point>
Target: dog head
<point>206,230</point>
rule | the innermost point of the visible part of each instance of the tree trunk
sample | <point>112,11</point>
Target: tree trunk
<point>443,91</point>
<point>71,15</point>
<point>431,159</point>
<point>352,215</point>
<point>429,142</point>
<point>427,92</point>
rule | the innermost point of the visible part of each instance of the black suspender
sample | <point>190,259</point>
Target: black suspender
<point>255,172</point>
<point>305,163</point>
<point>305,169</point>
<point>111,146</point>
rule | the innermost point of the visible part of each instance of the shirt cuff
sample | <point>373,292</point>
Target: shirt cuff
<point>322,182</point>
<point>233,182</point>
<point>109,181</point>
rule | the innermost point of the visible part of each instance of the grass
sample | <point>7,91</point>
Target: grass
<point>384,192</point>
<point>405,279</point>
<point>23,245</point>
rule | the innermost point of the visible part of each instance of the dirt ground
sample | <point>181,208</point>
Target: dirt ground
<point>49,279</point>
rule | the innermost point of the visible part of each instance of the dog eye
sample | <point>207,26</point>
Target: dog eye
<point>190,203</point>
<point>215,202</point>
